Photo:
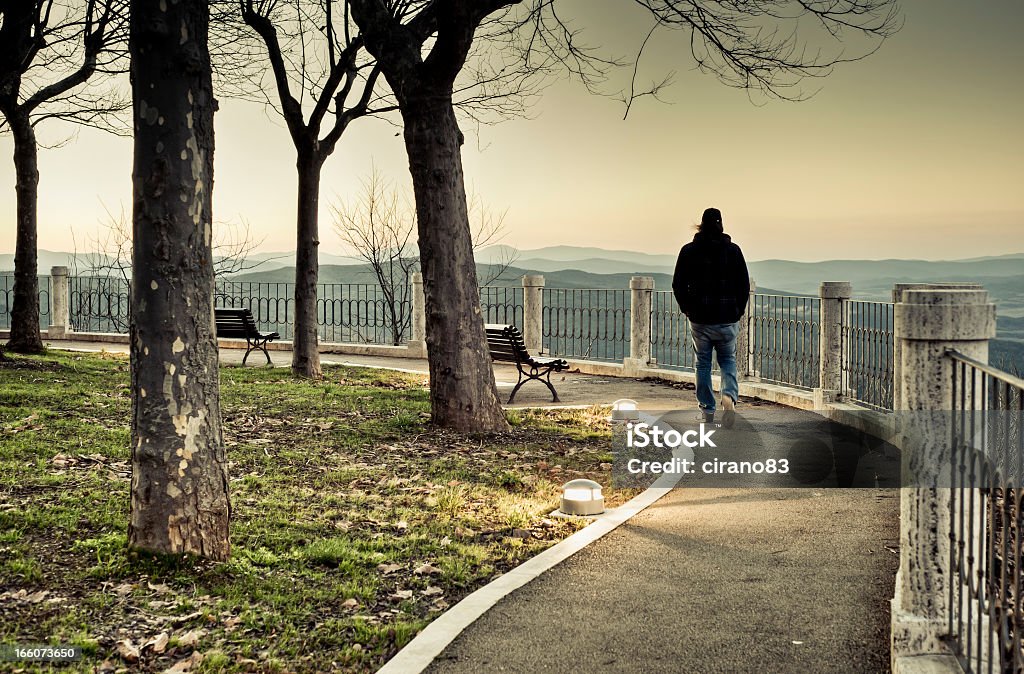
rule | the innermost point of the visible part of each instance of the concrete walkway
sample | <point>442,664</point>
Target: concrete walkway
<point>713,580</point>
<point>706,580</point>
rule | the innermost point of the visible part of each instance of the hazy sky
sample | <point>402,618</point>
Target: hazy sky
<point>917,152</point>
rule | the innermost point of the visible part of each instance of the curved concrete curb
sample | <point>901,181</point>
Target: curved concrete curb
<point>436,636</point>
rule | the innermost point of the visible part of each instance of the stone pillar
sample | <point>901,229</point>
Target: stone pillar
<point>744,364</point>
<point>60,306</point>
<point>897,297</point>
<point>533,313</point>
<point>929,321</point>
<point>418,338</point>
<point>642,288</point>
<point>830,341</point>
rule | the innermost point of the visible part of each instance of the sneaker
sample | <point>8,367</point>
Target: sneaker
<point>729,415</point>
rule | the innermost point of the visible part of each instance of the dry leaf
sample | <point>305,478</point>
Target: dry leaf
<point>159,589</point>
<point>127,650</point>
<point>185,665</point>
<point>426,569</point>
<point>157,643</point>
<point>432,590</point>
<point>191,638</point>
<point>399,595</point>
<point>389,568</point>
<point>349,603</point>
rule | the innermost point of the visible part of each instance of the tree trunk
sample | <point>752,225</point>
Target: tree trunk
<point>179,492</point>
<point>305,352</point>
<point>463,395</point>
<point>25,336</point>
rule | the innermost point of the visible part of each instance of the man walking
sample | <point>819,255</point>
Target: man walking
<point>711,286</point>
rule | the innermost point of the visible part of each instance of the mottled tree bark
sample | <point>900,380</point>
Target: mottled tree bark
<point>305,352</point>
<point>179,495</point>
<point>25,336</point>
<point>463,394</point>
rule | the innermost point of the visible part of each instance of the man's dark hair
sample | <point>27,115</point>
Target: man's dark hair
<point>711,221</point>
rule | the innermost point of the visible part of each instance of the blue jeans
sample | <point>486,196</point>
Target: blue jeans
<point>721,339</point>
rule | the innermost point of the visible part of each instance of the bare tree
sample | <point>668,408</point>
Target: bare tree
<point>379,230</point>
<point>53,59</point>
<point>179,494</point>
<point>324,80</point>
<point>422,46</point>
<point>378,226</point>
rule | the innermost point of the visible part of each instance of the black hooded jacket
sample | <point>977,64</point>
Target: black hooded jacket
<point>710,282</point>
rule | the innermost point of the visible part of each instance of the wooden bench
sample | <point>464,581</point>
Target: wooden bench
<point>239,323</point>
<point>506,345</point>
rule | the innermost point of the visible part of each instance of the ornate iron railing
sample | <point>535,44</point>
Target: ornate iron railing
<point>7,300</point>
<point>784,338</point>
<point>671,344</point>
<point>586,323</point>
<point>986,617</point>
<point>346,312</point>
<point>501,304</point>
<point>99,303</point>
<point>867,353</point>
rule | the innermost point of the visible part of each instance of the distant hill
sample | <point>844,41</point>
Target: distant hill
<point>581,267</point>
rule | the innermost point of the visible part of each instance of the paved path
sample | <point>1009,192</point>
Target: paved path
<point>707,580</point>
<point>712,580</point>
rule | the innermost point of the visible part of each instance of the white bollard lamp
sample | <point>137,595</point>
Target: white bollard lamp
<point>625,410</point>
<point>582,497</point>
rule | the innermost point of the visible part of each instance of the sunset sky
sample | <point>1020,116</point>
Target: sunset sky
<point>917,152</point>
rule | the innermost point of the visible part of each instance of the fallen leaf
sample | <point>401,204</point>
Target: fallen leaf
<point>389,568</point>
<point>127,650</point>
<point>159,589</point>
<point>349,603</point>
<point>426,569</point>
<point>157,643</point>
<point>432,590</point>
<point>36,597</point>
<point>124,589</point>
<point>191,638</point>
<point>399,595</point>
<point>185,665</point>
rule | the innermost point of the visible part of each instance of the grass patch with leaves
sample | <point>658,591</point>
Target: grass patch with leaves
<point>355,522</point>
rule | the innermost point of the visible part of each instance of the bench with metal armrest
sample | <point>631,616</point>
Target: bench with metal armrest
<point>507,345</point>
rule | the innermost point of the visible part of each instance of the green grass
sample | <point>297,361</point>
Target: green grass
<point>354,521</point>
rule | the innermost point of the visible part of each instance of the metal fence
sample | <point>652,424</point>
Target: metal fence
<point>346,312</point>
<point>7,301</point>
<point>986,624</point>
<point>784,338</point>
<point>671,346</point>
<point>591,324</point>
<point>867,353</point>
<point>99,303</point>
<point>587,324</point>
<point>501,304</point>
